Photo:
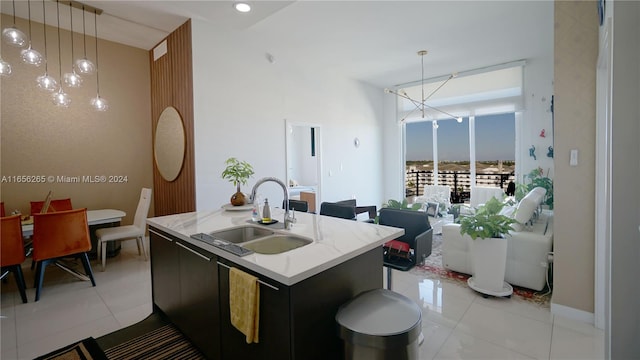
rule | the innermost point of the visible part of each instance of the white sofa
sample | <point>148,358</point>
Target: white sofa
<point>528,245</point>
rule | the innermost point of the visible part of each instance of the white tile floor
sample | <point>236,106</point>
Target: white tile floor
<point>457,323</point>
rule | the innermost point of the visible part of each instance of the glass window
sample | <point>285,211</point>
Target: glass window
<point>495,149</point>
<point>419,157</point>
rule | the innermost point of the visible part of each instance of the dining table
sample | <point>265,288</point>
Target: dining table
<point>94,217</point>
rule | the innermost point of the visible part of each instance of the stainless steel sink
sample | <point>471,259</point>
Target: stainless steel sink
<point>276,244</point>
<point>242,234</point>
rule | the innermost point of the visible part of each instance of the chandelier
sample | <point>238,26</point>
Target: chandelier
<point>421,104</point>
<point>13,36</point>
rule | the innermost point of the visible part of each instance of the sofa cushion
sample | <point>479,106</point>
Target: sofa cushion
<point>526,207</point>
<point>510,211</point>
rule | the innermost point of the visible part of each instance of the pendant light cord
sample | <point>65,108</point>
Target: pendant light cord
<point>29,12</point>
<point>95,24</point>
<point>44,27</point>
<point>59,51</point>
<point>84,34</point>
<point>422,83</point>
<point>71,17</point>
<point>14,13</point>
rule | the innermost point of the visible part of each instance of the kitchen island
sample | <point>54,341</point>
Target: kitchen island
<point>300,289</point>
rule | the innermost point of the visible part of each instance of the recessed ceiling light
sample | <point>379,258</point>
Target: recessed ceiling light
<point>242,7</point>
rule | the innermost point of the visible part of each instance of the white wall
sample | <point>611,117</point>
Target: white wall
<point>241,101</point>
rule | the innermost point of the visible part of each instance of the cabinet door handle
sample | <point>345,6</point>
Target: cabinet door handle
<point>260,281</point>
<point>193,251</point>
<point>162,236</point>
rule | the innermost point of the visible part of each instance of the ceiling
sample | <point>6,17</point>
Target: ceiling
<point>372,41</point>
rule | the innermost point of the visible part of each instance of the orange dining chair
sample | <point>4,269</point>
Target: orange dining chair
<point>12,251</point>
<point>54,205</point>
<point>60,234</point>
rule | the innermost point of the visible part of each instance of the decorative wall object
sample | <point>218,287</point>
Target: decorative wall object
<point>532,152</point>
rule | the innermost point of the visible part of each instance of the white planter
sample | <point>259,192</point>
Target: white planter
<point>489,266</point>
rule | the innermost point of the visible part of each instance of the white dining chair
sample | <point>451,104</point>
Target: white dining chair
<point>126,232</point>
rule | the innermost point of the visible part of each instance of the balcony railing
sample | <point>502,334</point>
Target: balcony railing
<point>458,181</point>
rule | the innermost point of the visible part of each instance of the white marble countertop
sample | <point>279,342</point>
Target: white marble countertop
<point>334,240</point>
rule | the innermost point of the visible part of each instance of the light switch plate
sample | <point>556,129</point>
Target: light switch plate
<point>573,158</point>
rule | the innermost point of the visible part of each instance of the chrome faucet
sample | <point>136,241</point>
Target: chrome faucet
<point>288,220</point>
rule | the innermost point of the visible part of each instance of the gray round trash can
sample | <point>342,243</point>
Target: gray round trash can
<point>380,324</point>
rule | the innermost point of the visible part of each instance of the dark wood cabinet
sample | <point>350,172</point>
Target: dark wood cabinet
<point>191,286</point>
<point>198,317</point>
<point>273,332</point>
<point>165,272</point>
<point>187,290</point>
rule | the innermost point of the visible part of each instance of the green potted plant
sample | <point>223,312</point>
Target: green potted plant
<point>237,172</point>
<point>489,253</point>
<point>537,179</point>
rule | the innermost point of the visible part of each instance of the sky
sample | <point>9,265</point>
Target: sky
<point>495,139</point>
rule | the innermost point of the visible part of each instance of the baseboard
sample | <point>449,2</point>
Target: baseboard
<point>571,313</point>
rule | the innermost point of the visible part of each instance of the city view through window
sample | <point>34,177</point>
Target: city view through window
<point>451,147</point>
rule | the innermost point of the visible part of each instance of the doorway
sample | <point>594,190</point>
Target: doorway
<point>304,162</point>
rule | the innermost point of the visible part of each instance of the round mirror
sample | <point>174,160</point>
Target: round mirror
<point>169,144</point>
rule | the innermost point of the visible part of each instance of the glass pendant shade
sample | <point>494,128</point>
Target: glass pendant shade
<point>5,68</point>
<point>61,99</point>
<point>47,83</point>
<point>99,104</point>
<point>31,56</point>
<point>85,66</point>
<point>72,79</point>
<point>14,37</point>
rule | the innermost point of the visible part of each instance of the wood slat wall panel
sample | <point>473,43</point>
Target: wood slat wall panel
<point>172,85</point>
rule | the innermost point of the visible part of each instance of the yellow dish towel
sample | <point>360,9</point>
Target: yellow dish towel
<point>244,301</point>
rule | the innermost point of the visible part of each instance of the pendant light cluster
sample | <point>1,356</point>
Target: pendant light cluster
<point>13,36</point>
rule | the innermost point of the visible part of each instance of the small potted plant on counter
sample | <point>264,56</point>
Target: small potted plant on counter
<point>237,172</point>
<point>490,251</point>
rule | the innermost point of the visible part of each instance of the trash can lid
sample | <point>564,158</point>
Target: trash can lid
<point>379,312</point>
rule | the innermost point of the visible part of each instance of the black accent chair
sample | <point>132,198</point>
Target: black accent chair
<point>297,205</point>
<point>417,234</point>
<point>343,211</point>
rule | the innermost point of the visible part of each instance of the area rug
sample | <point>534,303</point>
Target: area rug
<point>163,343</point>
<point>433,269</point>
<point>86,349</point>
